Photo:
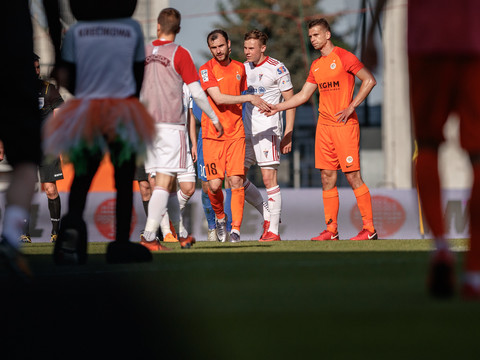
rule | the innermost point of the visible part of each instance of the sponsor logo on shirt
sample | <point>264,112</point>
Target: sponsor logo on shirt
<point>281,70</point>
<point>329,85</point>
<point>204,74</point>
<point>158,59</point>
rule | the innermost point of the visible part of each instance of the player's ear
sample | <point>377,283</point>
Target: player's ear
<point>328,35</point>
<point>179,28</point>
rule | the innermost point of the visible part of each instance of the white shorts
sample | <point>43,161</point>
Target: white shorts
<point>189,175</point>
<point>263,150</point>
<point>168,153</point>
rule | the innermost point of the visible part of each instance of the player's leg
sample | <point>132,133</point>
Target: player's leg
<point>469,111</point>
<point>186,184</point>
<point>54,207</point>
<point>235,172</point>
<point>326,160</point>
<point>227,204</point>
<point>364,203</point>
<point>431,101</point>
<point>252,194</point>
<point>207,206</point>
<point>269,175</point>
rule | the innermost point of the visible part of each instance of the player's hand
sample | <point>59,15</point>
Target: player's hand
<point>286,143</point>
<point>260,103</point>
<point>344,115</point>
<point>271,111</point>
<point>193,152</point>
<point>219,128</point>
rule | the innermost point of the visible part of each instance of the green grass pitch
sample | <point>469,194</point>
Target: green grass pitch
<point>251,300</point>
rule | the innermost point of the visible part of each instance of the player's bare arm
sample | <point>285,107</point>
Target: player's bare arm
<point>295,101</point>
<point>286,142</point>
<point>224,99</point>
<point>201,99</point>
<point>368,83</point>
<point>192,133</point>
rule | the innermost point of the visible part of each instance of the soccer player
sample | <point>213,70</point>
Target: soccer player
<point>268,77</point>
<point>186,180</point>
<point>444,71</point>
<point>49,170</point>
<point>167,67</point>
<point>338,133</point>
<point>224,80</point>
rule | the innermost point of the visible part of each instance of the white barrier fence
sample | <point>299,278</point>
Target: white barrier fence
<point>396,215</point>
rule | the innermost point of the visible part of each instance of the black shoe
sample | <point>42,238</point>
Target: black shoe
<point>127,252</point>
<point>15,261</point>
<point>71,244</point>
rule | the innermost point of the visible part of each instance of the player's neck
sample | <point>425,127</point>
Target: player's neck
<point>166,37</point>
<point>327,49</point>
<point>261,60</point>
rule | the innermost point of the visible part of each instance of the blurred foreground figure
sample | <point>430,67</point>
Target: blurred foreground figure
<point>103,58</point>
<point>444,66</point>
<point>23,126</point>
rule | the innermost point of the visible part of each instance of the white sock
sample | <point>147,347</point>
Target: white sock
<point>157,207</point>
<point>254,197</point>
<point>275,207</point>
<point>165,225</point>
<point>13,223</point>
<point>182,201</point>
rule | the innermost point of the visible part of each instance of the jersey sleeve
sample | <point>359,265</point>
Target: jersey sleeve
<point>68,46</point>
<point>284,81</point>
<point>139,54</point>
<point>184,65</point>
<point>350,62</point>
<point>311,78</point>
<point>207,79</point>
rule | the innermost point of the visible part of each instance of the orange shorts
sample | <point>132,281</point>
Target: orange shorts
<point>337,147</point>
<point>440,85</point>
<point>224,156</point>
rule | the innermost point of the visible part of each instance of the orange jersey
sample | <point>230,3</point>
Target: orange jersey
<point>335,76</point>
<point>231,80</point>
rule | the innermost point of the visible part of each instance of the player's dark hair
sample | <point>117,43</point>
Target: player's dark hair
<point>214,34</point>
<point>169,20</point>
<point>320,22</point>
<point>257,35</point>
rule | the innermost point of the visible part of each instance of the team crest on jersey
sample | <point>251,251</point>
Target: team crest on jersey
<point>333,65</point>
<point>281,70</point>
<point>349,159</point>
<point>265,153</point>
<point>238,77</point>
<point>260,77</point>
<point>204,74</point>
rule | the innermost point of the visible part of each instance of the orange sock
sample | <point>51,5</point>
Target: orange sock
<point>429,190</point>
<point>364,203</point>
<point>217,203</point>
<point>330,206</point>
<point>238,201</point>
<point>472,262</point>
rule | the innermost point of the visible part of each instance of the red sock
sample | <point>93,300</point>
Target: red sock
<point>217,203</point>
<point>238,201</point>
<point>472,262</point>
<point>330,206</point>
<point>428,182</point>
<point>364,203</point>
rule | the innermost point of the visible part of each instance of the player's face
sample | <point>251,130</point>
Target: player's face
<point>253,50</point>
<point>220,48</point>
<point>318,37</point>
<point>36,65</point>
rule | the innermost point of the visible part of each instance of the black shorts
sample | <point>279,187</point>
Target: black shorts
<point>51,171</point>
<point>140,174</point>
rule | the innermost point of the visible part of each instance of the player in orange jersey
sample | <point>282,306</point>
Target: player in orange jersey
<point>338,133</point>
<point>224,80</point>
